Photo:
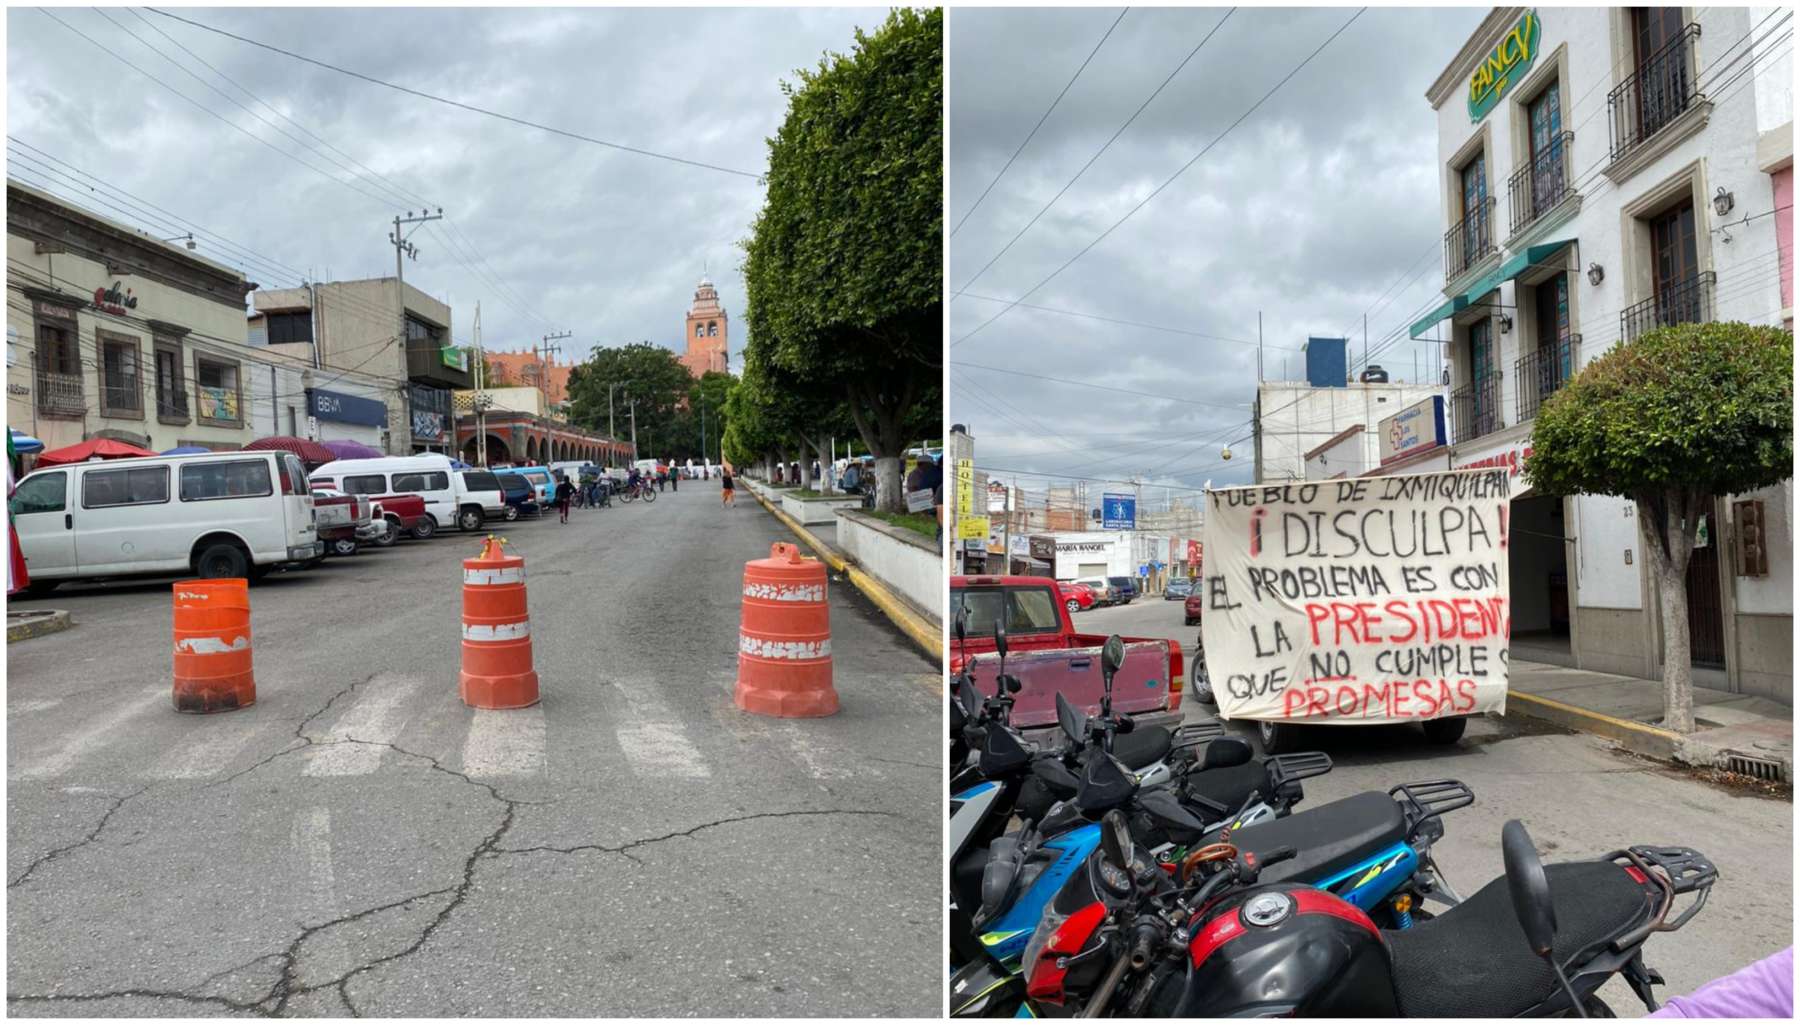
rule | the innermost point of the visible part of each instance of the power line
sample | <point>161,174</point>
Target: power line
<point>1171,179</point>
<point>1097,387</point>
<point>1040,122</point>
<point>1097,154</point>
<point>455,103</point>
<point>1126,323</point>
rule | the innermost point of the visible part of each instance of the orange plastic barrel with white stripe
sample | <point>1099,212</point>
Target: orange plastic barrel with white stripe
<point>496,632</point>
<point>213,671</point>
<point>784,642</point>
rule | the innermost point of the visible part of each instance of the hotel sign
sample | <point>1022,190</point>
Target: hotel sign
<point>1503,66</point>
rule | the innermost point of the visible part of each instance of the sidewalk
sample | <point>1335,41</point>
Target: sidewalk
<point>1733,727</point>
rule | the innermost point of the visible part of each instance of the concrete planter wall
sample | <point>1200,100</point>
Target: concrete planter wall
<point>818,510</point>
<point>906,562</point>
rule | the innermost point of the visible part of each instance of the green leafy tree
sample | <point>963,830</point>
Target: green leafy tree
<point>709,394</point>
<point>1673,421</point>
<point>650,379</point>
<point>843,269</point>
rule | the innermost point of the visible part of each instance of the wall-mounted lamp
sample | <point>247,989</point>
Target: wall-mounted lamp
<point>188,238</point>
<point>1596,274</point>
<point>1505,323</point>
<point>1723,202</point>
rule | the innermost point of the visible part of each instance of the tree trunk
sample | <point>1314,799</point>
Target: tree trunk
<point>1669,521</point>
<point>806,460</point>
<point>879,417</point>
<point>820,444</point>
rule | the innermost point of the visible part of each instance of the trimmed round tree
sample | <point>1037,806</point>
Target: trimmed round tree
<point>1672,421</point>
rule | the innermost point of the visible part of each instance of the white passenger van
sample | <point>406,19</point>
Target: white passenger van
<point>448,499</point>
<point>223,514</point>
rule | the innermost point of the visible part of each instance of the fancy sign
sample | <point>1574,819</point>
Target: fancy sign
<point>1375,600</point>
<point>1505,64</point>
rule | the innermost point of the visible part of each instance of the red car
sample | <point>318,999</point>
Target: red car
<point>1075,597</point>
<point>1190,608</point>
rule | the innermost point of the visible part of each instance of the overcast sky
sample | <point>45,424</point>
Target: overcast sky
<point>1312,208</point>
<point>606,244</point>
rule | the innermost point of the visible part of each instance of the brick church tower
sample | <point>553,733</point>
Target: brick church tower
<point>708,329</point>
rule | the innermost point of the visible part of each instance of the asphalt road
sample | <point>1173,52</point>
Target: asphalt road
<point>360,842</point>
<point>1579,799</point>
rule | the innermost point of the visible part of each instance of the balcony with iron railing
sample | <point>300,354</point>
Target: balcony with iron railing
<point>1544,182</point>
<point>1538,375</point>
<point>1470,240</point>
<point>1688,301</point>
<point>1658,91</point>
<point>1475,410</point>
<point>60,394</point>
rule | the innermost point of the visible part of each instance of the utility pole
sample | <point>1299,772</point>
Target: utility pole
<point>610,390</point>
<point>548,350</point>
<point>403,248</point>
<point>634,448</point>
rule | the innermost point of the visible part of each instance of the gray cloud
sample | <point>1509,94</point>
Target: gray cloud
<point>1308,212</point>
<point>599,242</point>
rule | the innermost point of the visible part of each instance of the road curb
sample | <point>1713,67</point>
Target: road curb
<point>924,633</point>
<point>1639,738</point>
<point>36,623</point>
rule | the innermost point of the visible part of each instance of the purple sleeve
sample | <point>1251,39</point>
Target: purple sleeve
<point>1762,990</point>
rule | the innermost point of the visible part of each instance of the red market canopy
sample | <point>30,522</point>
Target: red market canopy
<point>310,452</point>
<point>93,448</point>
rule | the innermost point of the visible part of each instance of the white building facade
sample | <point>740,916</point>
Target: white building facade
<point>1605,171</point>
<point>1297,423</point>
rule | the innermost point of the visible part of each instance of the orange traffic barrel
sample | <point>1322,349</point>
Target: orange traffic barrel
<point>496,631</point>
<point>784,643</point>
<point>212,646</point>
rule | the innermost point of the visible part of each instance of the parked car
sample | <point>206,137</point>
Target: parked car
<point>521,497</point>
<point>447,499</point>
<point>226,514</point>
<point>1178,588</point>
<point>1104,593</point>
<point>1075,597</point>
<point>404,513</point>
<point>1190,608</point>
<point>540,477</point>
<point>1127,588</point>
<point>1049,657</point>
<point>345,522</point>
<point>479,495</point>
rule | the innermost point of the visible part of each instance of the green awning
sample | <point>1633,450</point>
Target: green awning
<point>1534,256</point>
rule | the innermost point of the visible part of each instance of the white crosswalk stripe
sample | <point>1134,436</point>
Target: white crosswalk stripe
<point>376,716</point>
<point>210,748</point>
<point>505,743</point>
<point>70,747</point>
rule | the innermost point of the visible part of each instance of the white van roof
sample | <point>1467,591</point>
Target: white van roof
<point>386,464</point>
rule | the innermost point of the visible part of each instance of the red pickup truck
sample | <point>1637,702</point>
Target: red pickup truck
<point>1048,656</point>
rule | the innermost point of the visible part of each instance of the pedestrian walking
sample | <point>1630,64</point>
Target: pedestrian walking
<point>674,478</point>
<point>662,477</point>
<point>564,492</point>
<point>726,495</point>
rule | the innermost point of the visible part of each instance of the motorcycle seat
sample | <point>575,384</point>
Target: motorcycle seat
<point>1142,748</point>
<point>1228,786</point>
<point>1595,901</point>
<point>1330,838</point>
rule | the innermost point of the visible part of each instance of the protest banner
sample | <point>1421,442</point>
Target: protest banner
<point>1369,600</point>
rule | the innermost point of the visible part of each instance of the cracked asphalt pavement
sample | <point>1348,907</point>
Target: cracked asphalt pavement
<point>1578,797</point>
<point>359,842</point>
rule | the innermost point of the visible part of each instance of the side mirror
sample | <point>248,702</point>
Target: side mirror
<point>1115,839</point>
<point>1112,655</point>
<point>970,698</point>
<point>1000,639</point>
<point>1529,887</point>
<point>1225,753</point>
<point>962,625</point>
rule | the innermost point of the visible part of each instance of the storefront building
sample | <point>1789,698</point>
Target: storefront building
<point>1605,171</point>
<point>112,333</point>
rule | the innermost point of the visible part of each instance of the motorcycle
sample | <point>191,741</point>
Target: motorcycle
<point>1224,938</point>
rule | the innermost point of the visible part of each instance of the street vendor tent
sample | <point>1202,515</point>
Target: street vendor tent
<point>93,448</point>
<point>310,452</point>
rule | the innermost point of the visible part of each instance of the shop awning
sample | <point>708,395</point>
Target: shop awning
<point>1534,256</point>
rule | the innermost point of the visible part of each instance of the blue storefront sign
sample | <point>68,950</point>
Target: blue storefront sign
<point>1118,512</point>
<point>345,409</point>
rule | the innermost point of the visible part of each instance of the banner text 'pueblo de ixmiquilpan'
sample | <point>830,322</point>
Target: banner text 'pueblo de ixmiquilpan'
<point>1372,600</point>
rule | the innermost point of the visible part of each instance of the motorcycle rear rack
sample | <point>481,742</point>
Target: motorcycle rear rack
<point>1426,801</point>
<point>1196,733</point>
<point>1292,768</point>
<point>1674,871</point>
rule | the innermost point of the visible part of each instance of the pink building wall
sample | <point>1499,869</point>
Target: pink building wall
<point>1783,181</point>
